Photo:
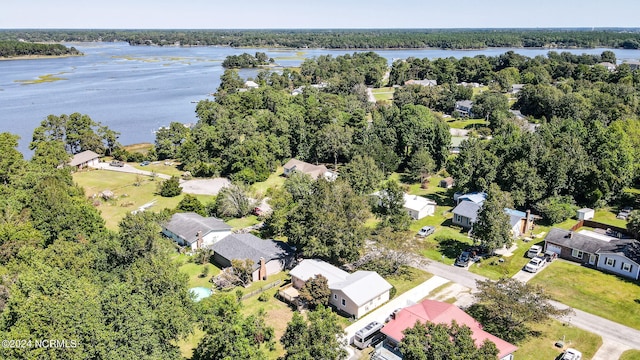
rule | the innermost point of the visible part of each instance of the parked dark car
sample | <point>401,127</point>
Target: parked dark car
<point>463,259</point>
<point>549,256</point>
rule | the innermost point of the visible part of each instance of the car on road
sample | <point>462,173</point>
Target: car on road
<point>534,251</point>
<point>534,264</point>
<point>116,163</point>
<point>144,163</point>
<point>571,354</point>
<point>463,259</point>
<point>426,231</point>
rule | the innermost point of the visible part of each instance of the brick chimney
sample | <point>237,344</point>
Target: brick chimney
<point>199,241</point>
<point>526,222</point>
<point>262,273</point>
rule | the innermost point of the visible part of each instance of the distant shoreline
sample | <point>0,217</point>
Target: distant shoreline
<point>37,57</point>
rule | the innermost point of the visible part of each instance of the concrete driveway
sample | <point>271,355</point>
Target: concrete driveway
<point>408,298</point>
<point>204,186</point>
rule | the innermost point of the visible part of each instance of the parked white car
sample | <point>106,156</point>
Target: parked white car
<point>571,354</point>
<point>534,265</point>
<point>534,251</point>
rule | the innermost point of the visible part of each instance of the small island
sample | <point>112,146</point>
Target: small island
<point>13,49</point>
<point>246,61</point>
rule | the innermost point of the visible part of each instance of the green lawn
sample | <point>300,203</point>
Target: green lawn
<point>128,197</point>
<point>194,270</point>
<point>383,94</point>
<point>542,346</point>
<point>273,181</point>
<point>413,278</point>
<point>189,344</point>
<point>630,355</point>
<point>467,123</point>
<point>495,269</point>
<point>590,290</point>
<point>243,222</point>
<point>159,167</point>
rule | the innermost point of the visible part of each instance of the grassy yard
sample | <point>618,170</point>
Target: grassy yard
<point>383,94</point>
<point>495,269</point>
<point>413,278</point>
<point>243,222</point>
<point>128,196</point>
<point>194,270</point>
<point>189,344</point>
<point>542,345</point>
<point>467,123</point>
<point>159,167</point>
<point>273,181</point>
<point>595,292</point>
<point>630,355</point>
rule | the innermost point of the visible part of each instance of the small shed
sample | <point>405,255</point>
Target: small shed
<point>447,182</point>
<point>585,214</point>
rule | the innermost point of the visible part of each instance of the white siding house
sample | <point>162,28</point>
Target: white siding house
<point>418,207</point>
<point>618,263</point>
<point>195,231</point>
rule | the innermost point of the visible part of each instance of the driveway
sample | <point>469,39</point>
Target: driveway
<point>204,186</point>
<point>408,298</point>
<point>128,169</point>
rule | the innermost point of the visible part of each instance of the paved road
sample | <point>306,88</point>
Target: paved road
<point>612,333</point>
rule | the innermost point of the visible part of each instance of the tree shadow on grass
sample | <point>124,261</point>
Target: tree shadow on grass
<point>451,248</point>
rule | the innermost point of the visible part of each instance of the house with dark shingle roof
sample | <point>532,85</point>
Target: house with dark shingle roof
<point>195,231</point>
<point>269,256</point>
<point>602,251</point>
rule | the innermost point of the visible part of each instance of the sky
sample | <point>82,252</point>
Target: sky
<point>315,14</point>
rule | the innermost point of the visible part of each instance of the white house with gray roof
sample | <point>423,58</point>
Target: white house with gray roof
<point>195,231</point>
<point>269,256</point>
<point>355,294</point>
<point>84,159</point>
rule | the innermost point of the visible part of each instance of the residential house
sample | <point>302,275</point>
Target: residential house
<point>438,312</point>
<point>464,108</point>
<point>597,249</point>
<point>251,84</point>
<point>84,159</point>
<point>520,222</point>
<point>633,64</point>
<point>195,231</point>
<point>469,205</point>
<point>315,171</point>
<point>607,65</point>
<point>425,82</point>
<point>447,183</point>
<point>465,214</point>
<point>269,256</point>
<point>418,207</point>
<point>354,294</point>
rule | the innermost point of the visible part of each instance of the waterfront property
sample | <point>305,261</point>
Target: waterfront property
<point>84,159</point>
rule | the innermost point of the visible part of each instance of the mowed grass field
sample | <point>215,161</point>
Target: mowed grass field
<point>592,291</point>
<point>127,195</point>
<point>542,345</point>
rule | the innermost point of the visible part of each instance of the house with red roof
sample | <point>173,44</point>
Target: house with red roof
<point>441,313</point>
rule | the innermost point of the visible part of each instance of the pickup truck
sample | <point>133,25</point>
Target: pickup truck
<point>116,163</point>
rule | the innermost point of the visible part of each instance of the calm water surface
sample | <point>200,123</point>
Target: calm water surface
<point>137,89</point>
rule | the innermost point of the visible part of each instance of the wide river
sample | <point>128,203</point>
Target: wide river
<point>137,89</point>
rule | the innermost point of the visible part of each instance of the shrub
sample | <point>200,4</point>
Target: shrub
<point>170,188</point>
<point>264,297</point>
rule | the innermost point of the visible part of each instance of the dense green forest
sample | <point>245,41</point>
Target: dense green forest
<point>12,48</point>
<point>349,39</point>
<point>584,150</point>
